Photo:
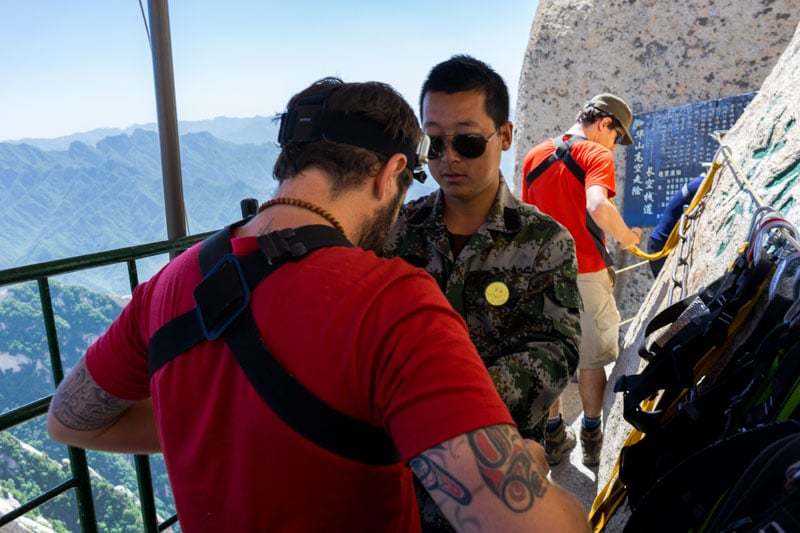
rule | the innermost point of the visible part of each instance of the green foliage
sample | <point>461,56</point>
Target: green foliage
<point>87,199</point>
<point>81,316</point>
<point>104,191</point>
<point>26,474</point>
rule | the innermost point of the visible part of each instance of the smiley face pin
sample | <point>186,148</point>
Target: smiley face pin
<point>497,293</point>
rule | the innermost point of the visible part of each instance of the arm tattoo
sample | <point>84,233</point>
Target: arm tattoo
<point>506,467</point>
<point>434,477</point>
<point>81,405</point>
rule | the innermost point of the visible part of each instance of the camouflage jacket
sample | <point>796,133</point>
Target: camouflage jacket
<point>515,285</point>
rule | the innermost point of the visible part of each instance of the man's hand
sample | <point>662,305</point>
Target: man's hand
<point>633,238</point>
<point>493,480</point>
<point>537,452</point>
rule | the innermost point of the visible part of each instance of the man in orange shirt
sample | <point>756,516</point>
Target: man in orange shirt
<point>571,178</point>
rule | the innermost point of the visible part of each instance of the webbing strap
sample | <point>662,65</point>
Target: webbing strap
<point>688,492</point>
<point>612,495</point>
<point>672,368</point>
<point>286,397</point>
<point>563,153</point>
<point>791,407</point>
<point>760,480</point>
<point>782,387</point>
<point>667,316</point>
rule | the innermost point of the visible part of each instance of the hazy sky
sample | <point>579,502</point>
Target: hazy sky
<point>71,66</point>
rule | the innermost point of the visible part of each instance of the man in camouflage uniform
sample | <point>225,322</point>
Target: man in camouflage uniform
<point>514,284</point>
<point>508,269</point>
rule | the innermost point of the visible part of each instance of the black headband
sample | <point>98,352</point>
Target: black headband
<point>309,121</point>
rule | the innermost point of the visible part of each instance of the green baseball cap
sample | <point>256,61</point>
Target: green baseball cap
<point>617,108</point>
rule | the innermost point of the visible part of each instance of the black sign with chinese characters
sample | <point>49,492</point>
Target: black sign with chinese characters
<point>668,150</point>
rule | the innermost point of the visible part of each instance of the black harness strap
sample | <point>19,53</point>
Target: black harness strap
<point>563,153</point>
<point>671,366</point>
<point>684,496</point>
<point>223,311</point>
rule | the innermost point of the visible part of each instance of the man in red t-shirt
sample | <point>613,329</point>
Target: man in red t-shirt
<point>371,340</point>
<point>571,178</point>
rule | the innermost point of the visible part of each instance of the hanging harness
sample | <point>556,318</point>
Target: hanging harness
<point>223,312</point>
<point>563,153</point>
<point>710,400</point>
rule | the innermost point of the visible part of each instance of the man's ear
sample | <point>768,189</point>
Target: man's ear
<point>506,135</point>
<point>386,180</point>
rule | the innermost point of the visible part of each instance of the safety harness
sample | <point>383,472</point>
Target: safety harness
<point>223,311</point>
<point>563,153</point>
<point>714,395</point>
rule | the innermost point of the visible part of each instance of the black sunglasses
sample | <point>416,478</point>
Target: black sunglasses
<point>469,145</point>
<point>617,127</point>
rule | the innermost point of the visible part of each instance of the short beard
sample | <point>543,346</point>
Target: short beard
<point>375,231</point>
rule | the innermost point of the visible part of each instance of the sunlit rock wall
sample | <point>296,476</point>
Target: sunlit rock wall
<point>765,143</point>
<point>654,53</point>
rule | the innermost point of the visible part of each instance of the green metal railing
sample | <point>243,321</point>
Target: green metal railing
<point>80,480</point>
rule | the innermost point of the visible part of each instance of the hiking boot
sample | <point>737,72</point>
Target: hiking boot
<point>591,444</point>
<point>558,443</point>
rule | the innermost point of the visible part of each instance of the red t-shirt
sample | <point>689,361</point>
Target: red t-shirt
<point>373,338</point>
<point>559,194</point>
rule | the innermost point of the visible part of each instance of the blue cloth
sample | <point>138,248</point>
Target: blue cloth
<point>671,215</point>
<point>674,209</point>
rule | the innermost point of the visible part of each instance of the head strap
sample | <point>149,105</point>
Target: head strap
<point>308,120</point>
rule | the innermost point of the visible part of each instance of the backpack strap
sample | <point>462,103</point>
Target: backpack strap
<point>563,153</point>
<point>689,492</point>
<point>762,484</point>
<point>671,367</point>
<point>223,311</point>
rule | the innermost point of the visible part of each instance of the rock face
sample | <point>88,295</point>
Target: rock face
<point>765,144</point>
<point>656,54</point>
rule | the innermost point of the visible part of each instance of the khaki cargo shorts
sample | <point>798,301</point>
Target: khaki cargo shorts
<point>599,320</point>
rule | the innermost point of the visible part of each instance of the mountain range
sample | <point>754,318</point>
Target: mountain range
<point>86,199</point>
<point>251,130</point>
<point>105,193</point>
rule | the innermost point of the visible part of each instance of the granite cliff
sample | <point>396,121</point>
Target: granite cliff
<point>655,54</point>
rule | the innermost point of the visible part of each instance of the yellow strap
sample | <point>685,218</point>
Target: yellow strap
<point>612,494</point>
<point>672,240</point>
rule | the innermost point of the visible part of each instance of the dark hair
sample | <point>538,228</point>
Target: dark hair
<point>465,73</point>
<point>349,165</point>
<point>590,114</point>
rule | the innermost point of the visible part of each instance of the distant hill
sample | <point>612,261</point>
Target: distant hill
<point>25,473</point>
<point>253,130</point>
<point>81,316</point>
<point>87,199</point>
<point>98,194</point>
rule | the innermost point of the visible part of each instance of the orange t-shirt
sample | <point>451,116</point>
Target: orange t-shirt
<point>558,193</point>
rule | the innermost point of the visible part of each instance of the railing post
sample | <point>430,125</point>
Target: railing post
<point>144,477</point>
<point>164,77</point>
<point>77,457</point>
<point>146,499</point>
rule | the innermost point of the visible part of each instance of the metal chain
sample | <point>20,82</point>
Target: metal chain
<point>686,233</point>
<point>687,226</point>
<point>683,260</point>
